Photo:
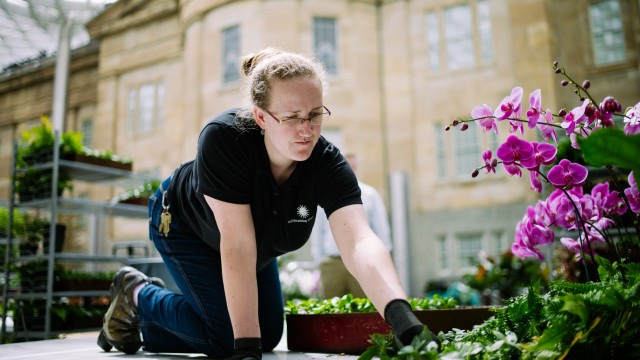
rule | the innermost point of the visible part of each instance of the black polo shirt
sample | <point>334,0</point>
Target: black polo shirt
<point>232,165</point>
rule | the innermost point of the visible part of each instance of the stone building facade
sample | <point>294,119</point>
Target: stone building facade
<point>399,72</point>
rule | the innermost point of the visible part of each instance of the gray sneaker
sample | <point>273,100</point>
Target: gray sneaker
<point>121,325</point>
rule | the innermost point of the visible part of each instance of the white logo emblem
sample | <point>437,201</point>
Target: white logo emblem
<point>303,212</point>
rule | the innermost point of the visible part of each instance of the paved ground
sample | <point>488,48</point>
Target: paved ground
<point>83,346</point>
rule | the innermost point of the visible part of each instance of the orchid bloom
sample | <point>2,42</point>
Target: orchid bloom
<point>488,163</point>
<point>534,112</point>
<point>510,108</point>
<point>633,194</point>
<point>567,174</point>
<point>548,132</point>
<point>543,153</point>
<point>632,120</point>
<point>514,149</point>
<point>574,117</point>
<point>536,183</point>
<point>485,118</point>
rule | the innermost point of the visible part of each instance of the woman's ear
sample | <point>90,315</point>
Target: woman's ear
<point>258,115</point>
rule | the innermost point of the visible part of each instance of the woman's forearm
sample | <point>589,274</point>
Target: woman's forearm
<point>241,290</point>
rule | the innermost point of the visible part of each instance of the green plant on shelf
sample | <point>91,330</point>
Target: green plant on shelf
<point>349,304</point>
<point>143,191</point>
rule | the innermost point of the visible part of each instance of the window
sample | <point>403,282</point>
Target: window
<point>433,41</point>
<point>467,151</point>
<point>442,251</point>
<point>459,35</point>
<point>145,108</point>
<point>325,43</point>
<point>468,247</point>
<point>86,128</point>
<point>607,32</point>
<point>441,153</point>
<point>231,54</point>
<point>484,31</point>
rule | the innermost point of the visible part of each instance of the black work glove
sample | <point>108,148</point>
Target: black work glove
<point>247,349</point>
<point>404,323</point>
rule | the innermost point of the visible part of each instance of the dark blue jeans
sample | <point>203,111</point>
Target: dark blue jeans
<point>197,321</point>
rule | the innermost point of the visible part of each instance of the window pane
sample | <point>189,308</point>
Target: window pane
<point>133,102</point>
<point>458,37</point>
<point>444,254</point>
<point>607,32</point>
<point>441,153</point>
<point>433,41</point>
<point>87,133</point>
<point>467,150</point>
<point>160,105</point>
<point>231,54</point>
<point>484,30</point>
<point>468,248</point>
<point>324,43</point>
<point>145,120</point>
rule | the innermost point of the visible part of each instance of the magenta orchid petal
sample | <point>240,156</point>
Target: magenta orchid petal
<point>488,161</point>
<point>510,105</point>
<point>632,120</point>
<point>535,110</point>
<point>512,169</point>
<point>548,132</point>
<point>484,118</point>
<point>574,117</point>
<point>514,149</point>
<point>536,183</point>
<point>543,153</point>
<point>567,174</point>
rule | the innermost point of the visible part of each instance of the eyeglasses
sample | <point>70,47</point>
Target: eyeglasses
<point>315,118</point>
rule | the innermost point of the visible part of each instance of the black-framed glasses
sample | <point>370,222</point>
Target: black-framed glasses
<point>315,118</point>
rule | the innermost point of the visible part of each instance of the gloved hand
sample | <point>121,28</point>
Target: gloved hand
<point>247,349</point>
<point>404,323</point>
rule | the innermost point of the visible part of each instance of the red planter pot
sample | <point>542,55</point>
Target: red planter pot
<point>350,333</point>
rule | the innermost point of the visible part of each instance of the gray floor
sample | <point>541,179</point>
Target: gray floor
<point>82,346</point>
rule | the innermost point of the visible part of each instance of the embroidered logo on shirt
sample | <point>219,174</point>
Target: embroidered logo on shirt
<point>303,213</point>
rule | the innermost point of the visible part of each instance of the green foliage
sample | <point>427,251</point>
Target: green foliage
<point>143,191</point>
<point>349,304</point>
<point>596,320</point>
<point>598,150</point>
<point>17,223</point>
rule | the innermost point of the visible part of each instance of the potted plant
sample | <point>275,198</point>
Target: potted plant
<point>37,231</point>
<point>344,325</point>
<point>139,195</point>
<point>600,317</point>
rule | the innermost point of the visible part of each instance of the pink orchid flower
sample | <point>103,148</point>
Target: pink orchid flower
<point>632,120</point>
<point>534,112</point>
<point>485,118</point>
<point>633,195</point>
<point>567,174</point>
<point>510,108</point>
<point>543,153</point>
<point>574,117</point>
<point>548,132</point>
<point>489,164</point>
<point>534,179</point>
<point>514,149</point>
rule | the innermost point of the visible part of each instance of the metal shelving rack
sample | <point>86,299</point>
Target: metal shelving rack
<point>79,172</point>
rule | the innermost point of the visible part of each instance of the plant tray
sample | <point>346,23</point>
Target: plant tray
<point>350,333</point>
<point>99,161</point>
<point>136,201</point>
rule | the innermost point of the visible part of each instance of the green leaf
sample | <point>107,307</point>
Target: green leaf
<point>610,146</point>
<point>573,304</point>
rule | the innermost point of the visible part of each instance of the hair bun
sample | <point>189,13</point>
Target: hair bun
<point>250,61</point>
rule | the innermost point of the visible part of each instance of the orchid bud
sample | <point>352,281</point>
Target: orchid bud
<point>562,113</point>
<point>555,64</point>
<point>455,122</point>
<point>447,128</point>
<point>475,173</point>
<point>464,127</point>
<point>564,83</point>
<point>586,84</point>
<point>494,162</point>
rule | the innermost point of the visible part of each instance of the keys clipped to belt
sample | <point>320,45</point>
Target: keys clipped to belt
<point>165,217</point>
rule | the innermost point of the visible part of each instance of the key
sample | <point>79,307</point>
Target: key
<point>165,220</point>
<point>165,217</point>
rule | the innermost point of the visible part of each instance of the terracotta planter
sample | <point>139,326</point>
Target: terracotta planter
<point>350,333</point>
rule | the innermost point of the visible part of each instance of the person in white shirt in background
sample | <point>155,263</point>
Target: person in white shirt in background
<point>334,276</point>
